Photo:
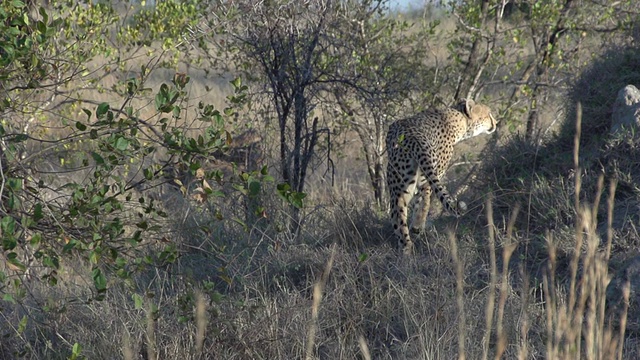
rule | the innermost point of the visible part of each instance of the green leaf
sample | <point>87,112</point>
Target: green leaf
<point>97,158</point>
<point>43,12</point>
<point>75,352</point>
<point>237,82</point>
<point>12,258</point>
<point>51,262</point>
<point>52,280</point>
<point>217,193</point>
<point>254,188</point>
<point>122,144</point>
<point>36,238</point>
<point>160,101</point>
<point>292,197</point>
<point>14,183</point>
<point>22,325</point>
<point>296,200</point>
<point>27,221</point>
<point>42,27</point>
<point>80,126</point>
<point>102,110</point>
<point>94,257</point>
<point>148,173</point>
<point>37,212</point>
<point>99,280</point>
<point>240,188</point>
<point>8,225</point>
<point>137,301</point>
<point>9,53</point>
<point>69,246</point>
<point>132,86</point>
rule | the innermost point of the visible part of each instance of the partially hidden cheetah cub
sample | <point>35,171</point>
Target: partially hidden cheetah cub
<point>420,148</point>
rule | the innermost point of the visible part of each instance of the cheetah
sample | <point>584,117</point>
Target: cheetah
<point>420,148</point>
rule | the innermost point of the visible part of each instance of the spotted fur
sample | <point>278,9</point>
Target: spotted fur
<point>419,149</point>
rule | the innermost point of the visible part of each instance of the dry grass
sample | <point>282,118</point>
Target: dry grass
<point>329,302</point>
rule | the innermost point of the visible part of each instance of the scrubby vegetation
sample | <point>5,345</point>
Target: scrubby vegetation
<point>204,180</point>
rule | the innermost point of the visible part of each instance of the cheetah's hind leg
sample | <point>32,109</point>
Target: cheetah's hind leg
<point>421,209</point>
<point>401,192</point>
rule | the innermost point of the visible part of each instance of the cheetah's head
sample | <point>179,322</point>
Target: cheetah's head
<point>479,118</point>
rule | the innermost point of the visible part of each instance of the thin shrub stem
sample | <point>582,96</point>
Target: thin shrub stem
<point>610,204</point>
<point>504,292</point>
<point>318,290</point>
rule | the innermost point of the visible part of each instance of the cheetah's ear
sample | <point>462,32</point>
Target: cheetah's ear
<point>465,106</point>
<point>468,106</point>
